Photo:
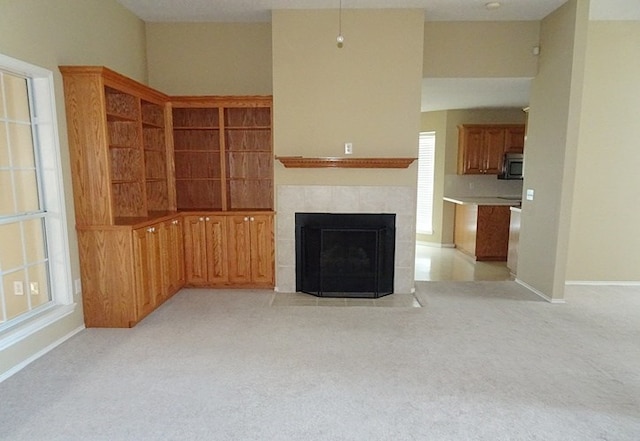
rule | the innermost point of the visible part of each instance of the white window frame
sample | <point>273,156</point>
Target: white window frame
<point>426,182</point>
<point>44,119</point>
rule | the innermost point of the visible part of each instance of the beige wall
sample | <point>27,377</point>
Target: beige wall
<point>210,58</point>
<point>604,239</point>
<point>367,92</point>
<point>550,150</point>
<point>480,49</point>
<point>48,34</point>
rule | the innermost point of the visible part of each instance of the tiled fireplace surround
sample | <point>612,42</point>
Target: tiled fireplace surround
<point>398,200</point>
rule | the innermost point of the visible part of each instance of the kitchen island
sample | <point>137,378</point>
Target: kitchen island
<point>482,226</point>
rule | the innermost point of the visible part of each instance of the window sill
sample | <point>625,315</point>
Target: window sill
<point>19,331</point>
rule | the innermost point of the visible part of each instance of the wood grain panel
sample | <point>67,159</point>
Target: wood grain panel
<point>195,250</point>
<point>239,244</point>
<point>255,194</point>
<point>247,117</point>
<point>86,124</point>
<point>108,281</point>
<point>217,250</point>
<point>262,250</point>
<point>493,232</point>
<point>248,140</point>
<point>466,228</point>
<point>514,240</point>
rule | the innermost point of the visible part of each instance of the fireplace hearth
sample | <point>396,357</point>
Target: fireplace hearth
<point>345,255</point>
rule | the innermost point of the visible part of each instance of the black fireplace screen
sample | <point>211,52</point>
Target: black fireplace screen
<point>345,255</point>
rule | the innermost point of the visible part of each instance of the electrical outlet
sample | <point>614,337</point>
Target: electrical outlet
<point>78,286</point>
<point>348,148</point>
<point>35,288</point>
<point>18,288</point>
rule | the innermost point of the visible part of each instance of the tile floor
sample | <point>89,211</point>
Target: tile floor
<point>449,264</point>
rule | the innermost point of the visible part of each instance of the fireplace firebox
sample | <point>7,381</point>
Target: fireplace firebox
<point>345,255</point>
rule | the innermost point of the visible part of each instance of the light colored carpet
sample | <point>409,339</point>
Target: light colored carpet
<point>479,361</point>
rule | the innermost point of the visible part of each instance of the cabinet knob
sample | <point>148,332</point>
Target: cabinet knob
<point>251,219</point>
<point>246,218</point>
<point>207,219</point>
<point>151,230</point>
<point>202,219</point>
<point>175,222</point>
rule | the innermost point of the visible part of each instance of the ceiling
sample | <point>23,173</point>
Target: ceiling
<point>260,10</point>
<point>437,93</point>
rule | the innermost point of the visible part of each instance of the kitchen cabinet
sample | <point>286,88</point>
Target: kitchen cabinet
<point>514,139</point>
<point>482,231</point>
<point>251,251</point>
<point>481,148</point>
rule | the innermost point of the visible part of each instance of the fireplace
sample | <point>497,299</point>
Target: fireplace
<point>345,255</point>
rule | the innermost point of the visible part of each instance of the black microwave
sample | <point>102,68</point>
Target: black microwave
<point>512,166</point>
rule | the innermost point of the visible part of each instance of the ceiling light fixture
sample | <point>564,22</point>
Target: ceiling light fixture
<point>492,5</point>
<point>340,39</point>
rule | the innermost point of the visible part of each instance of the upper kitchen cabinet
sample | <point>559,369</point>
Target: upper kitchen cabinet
<point>223,153</point>
<point>481,147</point>
<point>117,145</point>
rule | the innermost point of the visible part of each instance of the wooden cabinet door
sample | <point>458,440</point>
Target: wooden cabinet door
<point>492,240</point>
<point>148,268</point>
<point>514,140</point>
<point>174,256</point>
<point>262,252</point>
<point>470,151</point>
<point>163,280</point>
<point>195,250</point>
<point>239,246</point>
<point>216,249</point>
<point>493,150</point>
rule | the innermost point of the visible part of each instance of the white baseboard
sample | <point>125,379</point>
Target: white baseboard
<point>17,368</point>
<point>602,282</point>
<point>539,293</point>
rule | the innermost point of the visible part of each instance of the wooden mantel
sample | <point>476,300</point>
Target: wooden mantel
<point>340,162</point>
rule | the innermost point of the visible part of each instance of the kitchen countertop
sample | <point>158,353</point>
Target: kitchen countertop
<point>495,200</point>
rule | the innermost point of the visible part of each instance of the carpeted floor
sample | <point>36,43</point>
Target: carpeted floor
<point>479,361</point>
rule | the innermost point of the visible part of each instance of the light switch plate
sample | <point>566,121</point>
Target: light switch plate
<point>530,193</point>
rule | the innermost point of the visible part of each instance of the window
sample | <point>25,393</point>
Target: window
<point>35,279</point>
<point>426,165</point>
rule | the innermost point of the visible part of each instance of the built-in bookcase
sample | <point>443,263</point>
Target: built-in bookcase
<point>223,153</point>
<point>124,175</point>
<point>248,158</point>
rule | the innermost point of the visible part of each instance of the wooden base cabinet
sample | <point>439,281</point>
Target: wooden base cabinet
<point>482,231</point>
<point>128,271</point>
<point>251,252</point>
<point>205,250</point>
<point>235,250</point>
